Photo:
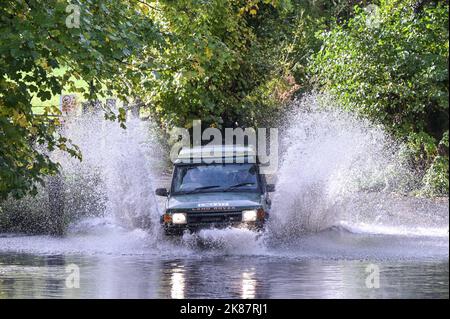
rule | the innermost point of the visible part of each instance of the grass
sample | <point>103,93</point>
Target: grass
<point>38,105</point>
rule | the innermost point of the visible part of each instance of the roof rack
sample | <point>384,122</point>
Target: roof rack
<point>217,154</point>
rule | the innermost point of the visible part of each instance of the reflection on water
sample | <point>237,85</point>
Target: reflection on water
<point>177,283</point>
<point>37,276</point>
<point>248,285</point>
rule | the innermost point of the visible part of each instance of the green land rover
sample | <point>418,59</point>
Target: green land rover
<point>216,187</point>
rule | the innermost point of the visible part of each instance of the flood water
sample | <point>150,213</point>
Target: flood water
<point>338,226</point>
<point>116,263</point>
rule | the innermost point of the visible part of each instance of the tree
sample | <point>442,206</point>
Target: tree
<point>208,67</point>
<point>391,65</point>
<point>35,43</point>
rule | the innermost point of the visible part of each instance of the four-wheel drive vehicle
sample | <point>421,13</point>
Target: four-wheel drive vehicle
<point>215,191</point>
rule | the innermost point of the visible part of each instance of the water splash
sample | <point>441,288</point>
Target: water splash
<point>235,241</point>
<point>114,180</point>
<point>330,159</point>
<point>123,161</point>
<point>340,176</point>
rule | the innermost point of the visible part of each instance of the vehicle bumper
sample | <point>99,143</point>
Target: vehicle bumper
<point>177,229</point>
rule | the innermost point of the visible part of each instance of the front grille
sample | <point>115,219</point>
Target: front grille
<point>213,217</point>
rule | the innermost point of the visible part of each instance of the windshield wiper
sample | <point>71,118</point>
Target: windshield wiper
<point>201,188</point>
<point>238,185</point>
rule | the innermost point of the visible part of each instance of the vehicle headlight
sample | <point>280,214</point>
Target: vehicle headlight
<point>179,218</point>
<point>249,215</point>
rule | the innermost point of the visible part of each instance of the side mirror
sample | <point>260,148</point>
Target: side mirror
<point>270,188</point>
<point>161,192</point>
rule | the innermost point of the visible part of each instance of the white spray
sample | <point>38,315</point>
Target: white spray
<point>124,162</point>
<point>337,169</point>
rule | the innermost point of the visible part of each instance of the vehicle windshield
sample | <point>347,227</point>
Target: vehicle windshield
<point>215,178</point>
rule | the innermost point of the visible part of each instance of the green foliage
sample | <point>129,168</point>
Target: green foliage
<point>285,40</point>
<point>226,62</point>
<point>203,71</point>
<point>32,214</point>
<point>229,63</point>
<point>391,65</point>
<point>436,178</point>
<point>34,42</point>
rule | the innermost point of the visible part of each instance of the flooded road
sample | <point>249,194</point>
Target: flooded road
<point>340,225</point>
<point>115,263</point>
